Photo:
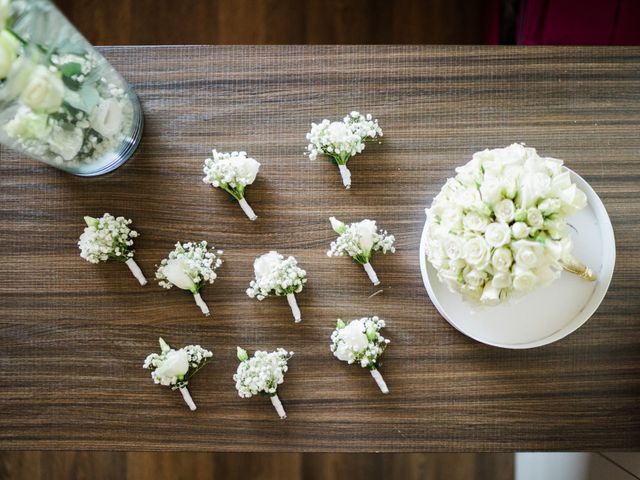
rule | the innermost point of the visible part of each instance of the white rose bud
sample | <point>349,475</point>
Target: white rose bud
<point>452,246</point>
<point>490,295</point>
<point>44,91</point>
<point>524,280</point>
<point>528,254</point>
<point>8,51</point>
<point>175,271</point>
<point>502,259</point>
<point>475,221</point>
<point>501,280</point>
<point>535,218</point>
<point>497,234</point>
<point>175,365</point>
<point>520,230</point>
<point>366,230</point>
<point>474,278</point>
<point>505,211</point>
<point>550,206</point>
<point>476,252</point>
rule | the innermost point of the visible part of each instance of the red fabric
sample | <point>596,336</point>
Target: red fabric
<point>579,22</point>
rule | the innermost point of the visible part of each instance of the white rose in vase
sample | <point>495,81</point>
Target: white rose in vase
<point>44,90</point>
<point>8,53</point>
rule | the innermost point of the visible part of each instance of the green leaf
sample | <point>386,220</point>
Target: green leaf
<point>340,324</point>
<point>91,222</point>
<point>70,69</point>
<point>371,334</point>
<point>164,346</point>
<point>242,354</point>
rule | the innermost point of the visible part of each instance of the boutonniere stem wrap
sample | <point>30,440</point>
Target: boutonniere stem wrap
<point>232,172</point>
<point>342,140</point>
<point>190,266</point>
<point>175,368</point>
<point>261,374</point>
<point>276,275</point>
<point>360,342</point>
<point>107,238</point>
<point>360,241</point>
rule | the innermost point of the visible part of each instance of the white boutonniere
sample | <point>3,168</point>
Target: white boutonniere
<point>342,140</point>
<point>107,238</point>
<point>190,266</point>
<point>175,368</point>
<point>360,342</point>
<point>261,374</point>
<point>232,172</point>
<point>497,230</point>
<point>360,241</point>
<point>276,275</point>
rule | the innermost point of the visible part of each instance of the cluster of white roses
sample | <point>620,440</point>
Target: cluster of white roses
<point>68,107</point>
<point>190,266</point>
<point>360,341</point>
<point>360,240</point>
<point>497,230</point>
<point>342,140</point>
<point>232,172</point>
<point>280,276</point>
<point>261,374</point>
<point>175,368</point>
<point>107,238</point>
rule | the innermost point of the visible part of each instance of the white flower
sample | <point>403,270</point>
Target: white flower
<point>175,272</point>
<point>107,237</point>
<point>27,124</point>
<point>504,210</point>
<point>190,265</point>
<point>9,47</point>
<point>528,254</point>
<point>5,12</point>
<point>360,240</point>
<point>452,246</point>
<point>176,367</point>
<point>176,364</point>
<point>231,171</point>
<point>262,373</point>
<point>264,264</point>
<point>476,252</point>
<point>550,206</point>
<point>524,280</point>
<point>535,218</point>
<point>366,234</point>
<point>520,230</point>
<point>497,235</point>
<point>277,275</point>
<point>502,259</point>
<point>359,341</point>
<point>66,143</point>
<point>475,221</point>
<point>106,118</point>
<point>44,91</point>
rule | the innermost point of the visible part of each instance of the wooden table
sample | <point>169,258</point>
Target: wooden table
<point>74,335</point>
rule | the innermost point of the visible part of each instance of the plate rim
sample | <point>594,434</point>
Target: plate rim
<point>590,307</point>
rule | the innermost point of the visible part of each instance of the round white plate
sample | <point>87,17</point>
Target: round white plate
<point>549,313</point>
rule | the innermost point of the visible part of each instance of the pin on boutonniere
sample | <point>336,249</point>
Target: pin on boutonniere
<point>261,374</point>
<point>360,240</point>
<point>190,266</point>
<point>175,368</point>
<point>342,140</point>
<point>276,275</point>
<point>232,172</point>
<point>107,238</point>
<point>360,341</point>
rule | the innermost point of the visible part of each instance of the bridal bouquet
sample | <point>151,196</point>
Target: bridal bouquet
<point>276,275</point>
<point>360,341</point>
<point>174,368</point>
<point>360,241</point>
<point>110,237</point>
<point>190,266</point>
<point>232,172</point>
<point>261,374</point>
<point>342,140</point>
<point>497,230</point>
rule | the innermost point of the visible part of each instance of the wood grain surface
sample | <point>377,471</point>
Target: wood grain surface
<point>74,335</point>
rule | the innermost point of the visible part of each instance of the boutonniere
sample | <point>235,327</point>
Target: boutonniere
<point>107,238</point>
<point>232,172</point>
<point>360,241</point>
<point>261,374</point>
<point>276,275</point>
<point>360,341</point>
<point>342,140</point>
<point>190,266</point>
<point>175,368</point>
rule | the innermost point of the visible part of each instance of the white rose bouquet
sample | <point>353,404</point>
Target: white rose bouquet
<point>175,368</point>
<point>107,238</point>
<point>190,266</point>
<point>360,341</point>
<point>67,105</point>
<point>261,374</point>
<point>232,172</point>
<point>276,275</point>
<point>360,241</point>
<point>342,140</point>
<point>497,230</point>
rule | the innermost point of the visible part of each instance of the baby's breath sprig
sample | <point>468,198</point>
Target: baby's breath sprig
<point>360,341</point>
<point>190,266</point>
<point>360,240</point>
<point>276,275</point>
<point>342,140</point>
<point>174,368</point>
<point>261,374</point>
<point>232,172</point>
<point>107,238</point>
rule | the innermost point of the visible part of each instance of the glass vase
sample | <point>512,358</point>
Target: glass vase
<point>61,102</point>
